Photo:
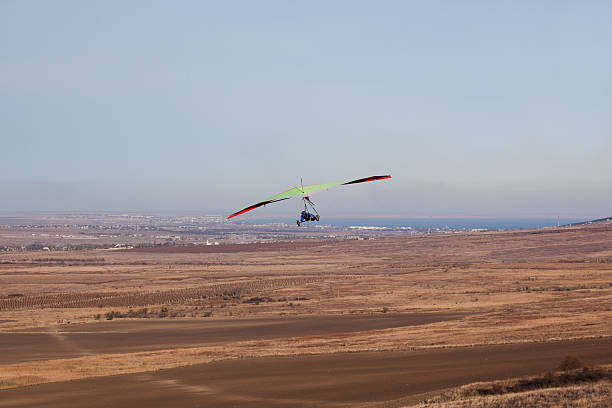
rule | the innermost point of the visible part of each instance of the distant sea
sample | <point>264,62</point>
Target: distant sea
<point>421,223</point>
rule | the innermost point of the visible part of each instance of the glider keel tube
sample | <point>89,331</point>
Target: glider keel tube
<point>254,206</point>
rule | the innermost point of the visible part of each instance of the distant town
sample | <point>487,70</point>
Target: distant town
<point>62,232</point>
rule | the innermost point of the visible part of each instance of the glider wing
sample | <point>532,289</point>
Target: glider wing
<point>254,206</point>
<point>307,190</point>
<point>363,180</point>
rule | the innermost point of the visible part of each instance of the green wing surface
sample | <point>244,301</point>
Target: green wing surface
<point>306,190</point>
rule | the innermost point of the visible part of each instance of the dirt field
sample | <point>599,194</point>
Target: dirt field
<point>133,336</point>
<point>322,324</point>
<point>369,379</point>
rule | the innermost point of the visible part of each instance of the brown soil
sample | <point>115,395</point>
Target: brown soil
<point>371,379</point>
<point>132,336</point>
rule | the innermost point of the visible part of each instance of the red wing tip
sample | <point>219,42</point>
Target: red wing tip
<point>365,179</point>
<point>238,213</point>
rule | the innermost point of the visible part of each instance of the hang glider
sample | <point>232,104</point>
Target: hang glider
<point>305,191</point>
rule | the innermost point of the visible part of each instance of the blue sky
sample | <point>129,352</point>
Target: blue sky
<point>475,108</point>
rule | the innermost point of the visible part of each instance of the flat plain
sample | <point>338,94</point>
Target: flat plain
<point>386,322</point>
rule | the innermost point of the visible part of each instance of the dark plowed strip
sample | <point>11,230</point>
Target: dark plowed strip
<point>337,380</point>
<point>148,334</point>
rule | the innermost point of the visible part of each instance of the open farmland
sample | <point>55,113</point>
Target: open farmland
<point>380,322</point>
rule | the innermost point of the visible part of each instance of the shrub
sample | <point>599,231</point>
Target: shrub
<point>571,363</point>
<point>112,314</point>
<point>138,313</point>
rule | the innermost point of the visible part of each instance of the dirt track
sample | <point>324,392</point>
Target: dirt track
<point>132,336</point>
<point>337,380</point>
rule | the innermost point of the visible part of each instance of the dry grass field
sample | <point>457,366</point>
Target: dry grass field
<point>382,322</point>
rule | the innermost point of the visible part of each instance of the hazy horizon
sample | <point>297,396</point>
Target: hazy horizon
<point>273,216</point>
<point>475,108</point>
